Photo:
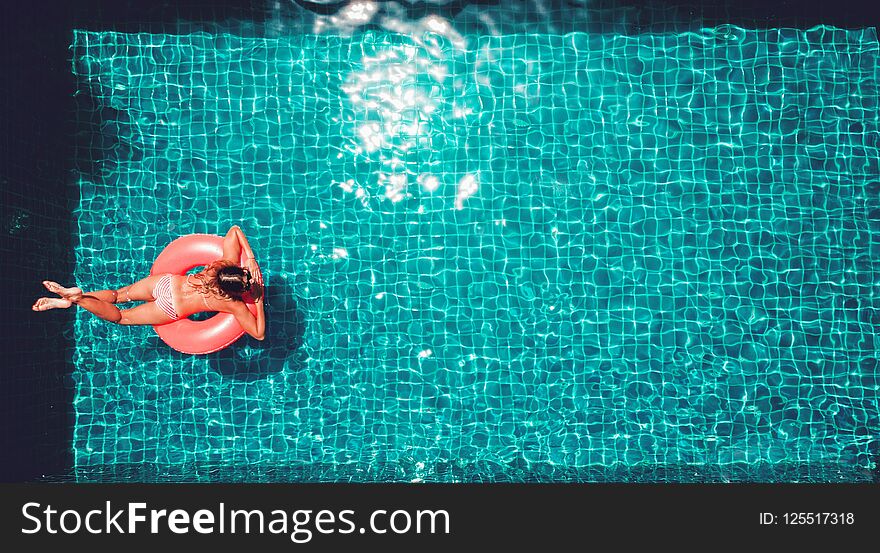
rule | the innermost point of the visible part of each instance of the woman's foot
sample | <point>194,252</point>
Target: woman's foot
<point>71,293</point>
<point>45,304</point>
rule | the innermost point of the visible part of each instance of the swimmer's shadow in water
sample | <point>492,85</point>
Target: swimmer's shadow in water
<point>249,359</point>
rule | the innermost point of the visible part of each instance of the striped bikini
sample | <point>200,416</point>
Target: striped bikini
<point>162,295</point>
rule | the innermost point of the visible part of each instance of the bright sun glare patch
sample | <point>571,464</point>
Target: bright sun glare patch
<point>467,187</point>
<point>429,182</point>
<point>400,98</point>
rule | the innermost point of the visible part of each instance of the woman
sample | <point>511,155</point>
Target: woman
<point>219,287</point>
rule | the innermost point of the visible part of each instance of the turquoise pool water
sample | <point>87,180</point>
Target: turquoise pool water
<point>548,256</point>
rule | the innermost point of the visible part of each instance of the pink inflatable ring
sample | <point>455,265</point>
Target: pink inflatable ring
<point>185,335</point>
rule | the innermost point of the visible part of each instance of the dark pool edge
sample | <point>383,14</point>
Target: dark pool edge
<point>37,201</point>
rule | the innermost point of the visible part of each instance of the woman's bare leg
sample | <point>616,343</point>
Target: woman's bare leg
<point>94,302</point>
<point>97,306</point>
<point>45,304</point>
<point>63,302</point>
<point>141,290</point>
<point>147,313</point>
<point>104,295</point>
<point>101,303</point>
<point>98,303</point>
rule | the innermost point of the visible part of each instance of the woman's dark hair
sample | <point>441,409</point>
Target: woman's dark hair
<point>228,280</point>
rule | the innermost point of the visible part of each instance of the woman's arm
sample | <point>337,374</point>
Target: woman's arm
<point>261,319</point>
<point>250,261</point>
<point>232,245</point>
<point>243,242</point>
<point>235,244</point>
<point>255,326</point>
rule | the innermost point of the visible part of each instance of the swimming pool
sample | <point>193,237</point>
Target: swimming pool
<point>520,257</point>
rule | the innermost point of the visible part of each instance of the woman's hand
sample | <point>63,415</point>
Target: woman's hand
<point>257,287</point>
<point>251,265</point>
